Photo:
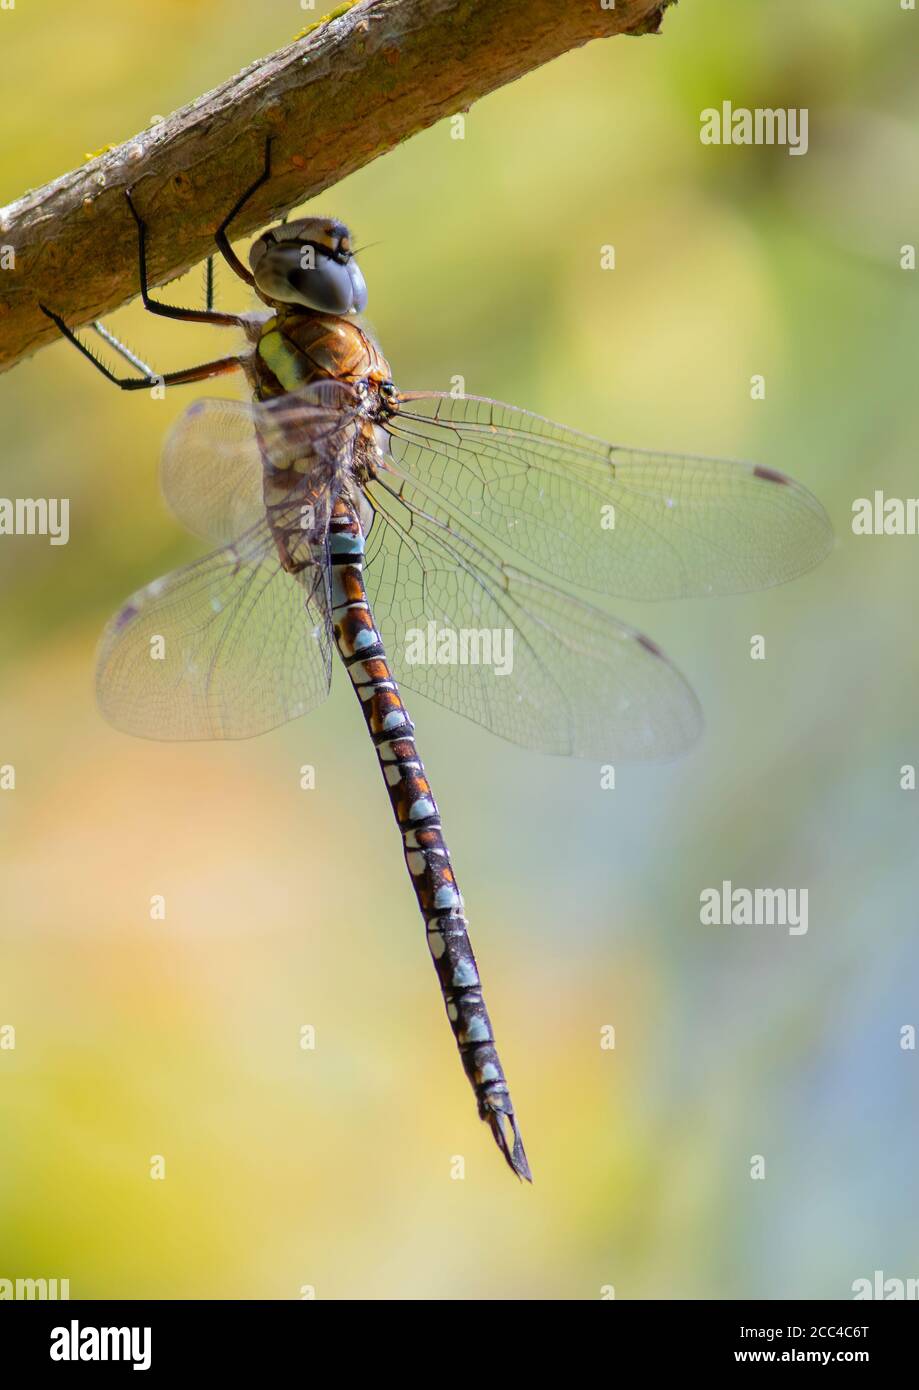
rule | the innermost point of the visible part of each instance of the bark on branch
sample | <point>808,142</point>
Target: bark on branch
<point>361,81</point>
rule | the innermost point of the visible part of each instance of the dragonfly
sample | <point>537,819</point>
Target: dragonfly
<point>346,516</point>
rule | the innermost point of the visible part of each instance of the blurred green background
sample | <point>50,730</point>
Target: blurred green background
<point>332,1168</point>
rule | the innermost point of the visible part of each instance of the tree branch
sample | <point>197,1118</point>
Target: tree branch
<point>359,82</point>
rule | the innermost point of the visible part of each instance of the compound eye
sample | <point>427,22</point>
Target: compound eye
<point>358,288</point>
<point>325,284</point>
<point>305,274</point>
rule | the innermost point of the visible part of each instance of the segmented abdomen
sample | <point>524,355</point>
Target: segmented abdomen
<point>418,819</point>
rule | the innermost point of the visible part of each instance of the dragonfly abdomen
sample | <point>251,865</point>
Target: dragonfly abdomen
<point>426,855</point>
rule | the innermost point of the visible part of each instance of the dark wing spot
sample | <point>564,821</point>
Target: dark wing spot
<point>648,645</point>
<point>127,615</point>
<point>769,475</point>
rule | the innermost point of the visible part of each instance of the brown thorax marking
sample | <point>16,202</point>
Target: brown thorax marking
<point>318,347</point>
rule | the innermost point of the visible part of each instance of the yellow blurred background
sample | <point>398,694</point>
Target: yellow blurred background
<point>331,1168</point>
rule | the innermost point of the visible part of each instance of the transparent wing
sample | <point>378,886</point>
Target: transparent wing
<point>228,647</point>
<point>211,470</point>
<point>236,643</point>
<point>213,467</point>
<point>613,520</point>
<point>529,662</point>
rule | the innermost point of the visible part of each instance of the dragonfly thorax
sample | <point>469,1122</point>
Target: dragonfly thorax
<point>297,347</point>
<point>309,263</point>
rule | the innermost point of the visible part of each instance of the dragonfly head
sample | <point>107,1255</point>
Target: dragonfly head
<point>310,263</point>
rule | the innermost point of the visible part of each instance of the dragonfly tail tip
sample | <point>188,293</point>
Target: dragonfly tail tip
<point>514,1154</point>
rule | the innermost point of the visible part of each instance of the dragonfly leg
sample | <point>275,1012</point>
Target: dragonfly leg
<point>121,348</point>
<point>172,311</point>
<point>418,819</point>
<point>220,236</point>
<point>141,383</point>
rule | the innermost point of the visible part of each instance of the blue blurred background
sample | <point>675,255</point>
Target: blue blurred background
<point>331,1168</point>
